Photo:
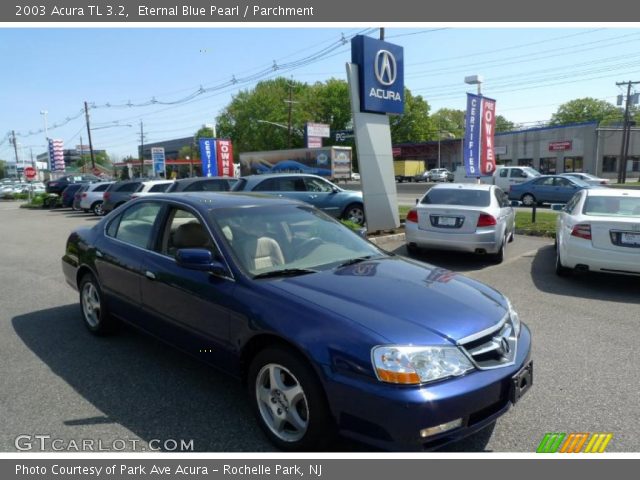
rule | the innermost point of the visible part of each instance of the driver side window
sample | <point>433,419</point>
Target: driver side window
<point>185,230</point>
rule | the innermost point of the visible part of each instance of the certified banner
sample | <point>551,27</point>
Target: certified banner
<point>479,156</point>
<point>208,156</point>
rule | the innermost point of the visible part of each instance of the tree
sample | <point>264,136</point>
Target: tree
<point>3,165</point>
<point>449,120</point>
<point>585,110</point>
<point>414,125</point>
<point>504,125</point>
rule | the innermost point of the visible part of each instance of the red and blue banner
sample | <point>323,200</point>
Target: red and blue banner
<point>56,155</point>
<point>479,156</point>
<point>217,157</point>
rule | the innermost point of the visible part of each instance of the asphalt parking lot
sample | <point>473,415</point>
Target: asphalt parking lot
<point>58,380</point>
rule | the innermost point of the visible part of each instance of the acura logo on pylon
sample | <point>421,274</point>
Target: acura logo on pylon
<point>385,67</point>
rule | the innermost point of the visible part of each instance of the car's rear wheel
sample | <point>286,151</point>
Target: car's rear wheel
<point>500,255</point>
<point>97,209</point>
<point>528,200</point>
<point>354,213</point>
<point>92,305</point>
<point>288,401</point>
<point>561,270</point>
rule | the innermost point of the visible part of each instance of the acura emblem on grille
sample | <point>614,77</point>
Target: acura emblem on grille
<point>503,346</point>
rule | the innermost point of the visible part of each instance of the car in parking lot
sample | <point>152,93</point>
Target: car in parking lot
<point>119,193</point>
<point>328,197</point>
<point>59,184</point>
<point>599,230</point>
<point>151,187</point>
<point>440,175</point>
<point>203,184</point>
<point>466,217</point>
<point>69,194</point>
<point>587,178</point>
<point>91,198</point>
<point>328,332</point>
<point>546,189</point>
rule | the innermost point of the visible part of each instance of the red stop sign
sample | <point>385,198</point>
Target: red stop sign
<point>30,173</point>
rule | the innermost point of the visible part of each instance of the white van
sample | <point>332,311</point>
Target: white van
<point>503,177</point>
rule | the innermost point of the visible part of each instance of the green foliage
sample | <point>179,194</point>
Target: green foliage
<point>545,225</point>
<point>3,172</point>
<point>414,125</point>
<point>352,225</point>
<point>448,120</point>
<point>585,110</point>
<point>124,173</point>
<point>504,125</point>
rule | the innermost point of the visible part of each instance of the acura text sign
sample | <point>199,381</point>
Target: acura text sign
<point>381,74</point>
<point>479,155</point>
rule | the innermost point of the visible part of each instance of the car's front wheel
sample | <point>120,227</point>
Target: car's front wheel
<point>93,307</point>
<point>354,213</point>
<point>288,401</point>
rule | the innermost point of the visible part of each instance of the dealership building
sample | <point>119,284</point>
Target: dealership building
<point>579,147</point>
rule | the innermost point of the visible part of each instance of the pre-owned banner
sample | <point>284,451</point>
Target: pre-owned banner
<point>208,156</point>
<point>479,157</point>
<point>224,153</point>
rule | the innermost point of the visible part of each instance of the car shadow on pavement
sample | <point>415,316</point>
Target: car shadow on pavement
<point>144,385</point>
<point>456,261</point>
<point>594,286</point>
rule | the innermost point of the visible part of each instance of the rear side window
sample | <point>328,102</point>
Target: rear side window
<point>101,188</point>
<point>456,196</point>
<point>161,187</point>
<point>135,224</point>
<point>208,186</point>
<point>128,187</point>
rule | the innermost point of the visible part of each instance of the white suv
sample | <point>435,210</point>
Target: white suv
<point>91,197</point>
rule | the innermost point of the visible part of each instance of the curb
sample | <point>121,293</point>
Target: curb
<point>383,240</point>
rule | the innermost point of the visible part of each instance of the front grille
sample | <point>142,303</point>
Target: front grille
<point>494,347</point>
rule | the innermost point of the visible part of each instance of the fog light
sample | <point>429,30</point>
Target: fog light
<point>428,432</point>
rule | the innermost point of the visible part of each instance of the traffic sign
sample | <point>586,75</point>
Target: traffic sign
<point>30,173</point>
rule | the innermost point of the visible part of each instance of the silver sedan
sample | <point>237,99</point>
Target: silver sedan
<point>463,217</point>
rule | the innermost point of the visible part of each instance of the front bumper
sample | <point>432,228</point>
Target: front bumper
<point>391,417</point>
<point>486,239</point>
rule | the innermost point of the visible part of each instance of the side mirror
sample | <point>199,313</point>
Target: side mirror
<point>199,259</point>
<point>417,201</point>
<point>558,207</point>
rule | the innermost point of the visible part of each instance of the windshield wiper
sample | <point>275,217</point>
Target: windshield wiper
<point>286,272</point>
<point>353,261</point>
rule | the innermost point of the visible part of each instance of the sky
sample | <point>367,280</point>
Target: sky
<point>529,71</point>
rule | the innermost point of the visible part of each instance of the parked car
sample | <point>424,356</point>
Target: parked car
<point>422,177</point>
<point>91,198</point>
<point>463,217</point>
<point>317,191</point>
<point>546,189</point>
<point>77,197</point>
<point>328,332</point>
<point>440,175</point>
<point>203,184</point>
<point>587,178</point>
<point>503,177</point>
<point>119,193</point>
<point>599,230</point>
<point>68,194</point>
<point>355,176</point>
<point>7,190</point>
<point>59,184</point>
<point>151,187</point>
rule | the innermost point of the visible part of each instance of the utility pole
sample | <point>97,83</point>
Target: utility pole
<point>141,149</point>
<point>86,114</point>
<point>290,109</point>
<point>626,134</point>
<point>81,155</point>
<point>15,145</point>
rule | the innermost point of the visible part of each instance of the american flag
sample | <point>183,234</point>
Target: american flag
<point>56,155</point>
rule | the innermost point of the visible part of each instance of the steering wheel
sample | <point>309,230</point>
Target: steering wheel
<point>307,246</point>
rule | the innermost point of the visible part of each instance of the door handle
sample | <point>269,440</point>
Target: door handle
<point>150,275</point>
<point>99,254</point>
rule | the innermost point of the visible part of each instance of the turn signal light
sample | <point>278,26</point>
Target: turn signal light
<point>406,378</point>
<point>582,230</point>
<point>486,220</point>
<point>412,216</point>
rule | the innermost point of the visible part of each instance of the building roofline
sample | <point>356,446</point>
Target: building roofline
<point>550,127</point>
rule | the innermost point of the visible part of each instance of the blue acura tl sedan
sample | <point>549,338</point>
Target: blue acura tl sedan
<point>329,333</point>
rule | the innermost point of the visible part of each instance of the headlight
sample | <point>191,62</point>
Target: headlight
<point>515,319</point>
<point>410,365</point>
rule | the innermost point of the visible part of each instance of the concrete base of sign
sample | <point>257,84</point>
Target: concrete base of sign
<point>375,161</point>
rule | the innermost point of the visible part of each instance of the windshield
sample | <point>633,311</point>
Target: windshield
<point>288,237</point>
<point>532,171</point>
<point>612,206</point>
<point>457,196</point>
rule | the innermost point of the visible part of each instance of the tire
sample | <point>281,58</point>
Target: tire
<point>93,307</point>
<point>528,200</point>
<point>355,213</point>
<point>96,208</point>
<point>288,401</point>
<point>561,270</point>
<point>499,257</point>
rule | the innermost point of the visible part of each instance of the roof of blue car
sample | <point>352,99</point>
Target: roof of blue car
<point>223,199</point>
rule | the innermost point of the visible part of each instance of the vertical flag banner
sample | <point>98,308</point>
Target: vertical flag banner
<point>56,155</point>
<point>208,156</point>
<point>479,157</point>
<point>224,154</point>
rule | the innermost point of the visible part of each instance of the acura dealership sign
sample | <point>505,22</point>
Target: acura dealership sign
<point>381,79</point>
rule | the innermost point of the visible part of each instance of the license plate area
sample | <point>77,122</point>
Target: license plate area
<point>625,239</point>
<point>521,382</point>
<point>445,221</point>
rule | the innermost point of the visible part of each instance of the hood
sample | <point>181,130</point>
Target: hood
<point>401,300</point>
